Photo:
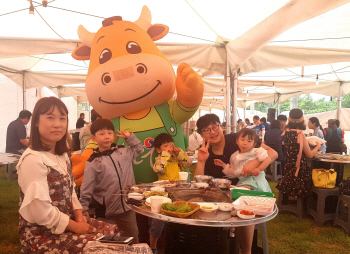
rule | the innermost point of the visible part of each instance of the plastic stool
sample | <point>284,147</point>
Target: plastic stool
<point>342,214</point>
<point>284,204</point>
<point>321,214</point>
<point>276,171</point>
<point>234,244</point>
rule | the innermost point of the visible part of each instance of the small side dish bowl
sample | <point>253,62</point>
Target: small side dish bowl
<point>208,207</point>
<point>245,214</point>
<point>135,195</point>
<point>201,185</point>
<point>221,183</point>
<point>203,178</point>
<point>225,207</point>
<point>183,184</point>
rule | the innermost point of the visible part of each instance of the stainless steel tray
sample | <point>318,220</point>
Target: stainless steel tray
<point>198,195</point>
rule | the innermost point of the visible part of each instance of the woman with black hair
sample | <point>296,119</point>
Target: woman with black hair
<point>314,124</point>
<point>297,181</point>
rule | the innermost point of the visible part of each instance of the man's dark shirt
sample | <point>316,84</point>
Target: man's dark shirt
<point>273,139</point>
<point>267,126</point>
<point>15,132</point>
<point>80,123</point>
<point>230,147</point>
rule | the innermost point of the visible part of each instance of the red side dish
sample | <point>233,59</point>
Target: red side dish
<point>246,212</point>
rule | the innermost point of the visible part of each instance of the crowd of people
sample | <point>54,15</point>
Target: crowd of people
<point>52,216</point>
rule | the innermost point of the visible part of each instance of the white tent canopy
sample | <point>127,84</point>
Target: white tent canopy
<point>31,61</point>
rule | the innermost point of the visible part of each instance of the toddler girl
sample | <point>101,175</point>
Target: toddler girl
<point>249,149</point>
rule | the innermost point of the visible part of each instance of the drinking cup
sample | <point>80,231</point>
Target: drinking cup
<point>156,204</point>
<point>183,175</point>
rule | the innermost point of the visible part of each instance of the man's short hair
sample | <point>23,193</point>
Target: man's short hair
<point>206,120</point>
<point>101,124</point>
<point>282,118</point>
<point>256,117</point>
<point>331,122</point>
<point>94,115</point>
<point>82,114</point>
<point>263,119</point>
<point>24,114</point>
<point>162,139</point>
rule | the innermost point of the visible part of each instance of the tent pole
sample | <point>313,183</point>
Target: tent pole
<point>234,101</point>
<point>23,92</point>
<point>278,105</point>
<point>339,98</point>
<point>244,112</point>
<point>228,97</point>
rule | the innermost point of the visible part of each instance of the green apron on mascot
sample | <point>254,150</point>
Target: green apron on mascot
<point>159,120</point>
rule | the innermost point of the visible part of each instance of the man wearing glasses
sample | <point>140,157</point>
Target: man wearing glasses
<point>216,145</point>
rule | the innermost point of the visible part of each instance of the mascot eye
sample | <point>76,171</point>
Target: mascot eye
<point>133,48</point>
<point>105,56</point>
<point>141,68</point>
<point>106,78</point>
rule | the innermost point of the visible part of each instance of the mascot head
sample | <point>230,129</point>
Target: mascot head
<point>127,72</point>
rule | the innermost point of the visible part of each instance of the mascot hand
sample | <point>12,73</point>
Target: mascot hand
<point>189,86</point>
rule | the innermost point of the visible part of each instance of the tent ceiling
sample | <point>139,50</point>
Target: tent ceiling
<point>47,62</point>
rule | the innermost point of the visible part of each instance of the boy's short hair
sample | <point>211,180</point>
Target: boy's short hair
<point>263,119</point>
<point>256,117</point>
<point>82,114</point>
<point>251,135</point>
<point>162,139</point>
<point>101,124</point>
<point>282,118</point>
<point>206,120</point>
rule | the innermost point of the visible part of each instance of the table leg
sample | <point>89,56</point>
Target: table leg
<point>11,175</point>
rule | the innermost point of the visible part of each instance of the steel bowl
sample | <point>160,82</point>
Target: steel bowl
<point>183,184</point>
<point>221,183</point>
<point>203,178</point>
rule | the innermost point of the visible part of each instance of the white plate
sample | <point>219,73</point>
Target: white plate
<point>212,205</point>
<point>165,200</point>
<point>245,217</point>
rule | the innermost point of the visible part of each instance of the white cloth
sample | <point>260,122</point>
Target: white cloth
<point>238,160</point>
<point>32,179</point>
<point>85,136</point>
<point>195,140</point>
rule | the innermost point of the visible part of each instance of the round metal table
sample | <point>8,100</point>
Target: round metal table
<point>9,159</point>
<point>201,232</point>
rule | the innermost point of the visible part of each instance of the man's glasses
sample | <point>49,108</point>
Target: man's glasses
<point>215,127</point>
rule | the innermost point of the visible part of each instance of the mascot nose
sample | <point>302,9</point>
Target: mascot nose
<point>123,73</point>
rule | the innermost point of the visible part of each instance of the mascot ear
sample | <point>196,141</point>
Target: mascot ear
<point>157,31</point>
<point>81,53</point>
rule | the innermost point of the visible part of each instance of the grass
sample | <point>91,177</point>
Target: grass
<point>287,234</point>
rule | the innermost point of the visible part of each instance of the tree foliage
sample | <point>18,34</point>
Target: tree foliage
<point>307,104</point>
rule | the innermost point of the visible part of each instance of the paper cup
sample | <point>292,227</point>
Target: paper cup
<point>156,204</point>
<point>183,175</point>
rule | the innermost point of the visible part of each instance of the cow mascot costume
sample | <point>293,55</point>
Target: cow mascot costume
<point>132,83</point>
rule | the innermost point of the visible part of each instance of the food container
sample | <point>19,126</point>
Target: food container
<point>183,184</point>
<point>157,189</point>
<point>181,215</point>
<point>165,200</point>
<point>203,178</point>
<point>221,183</point>
<point>135,195</point>
<point>208,207</point>
<point>245,216</point>
<point>225,207</point>
<point>201,185</point>
<point>259,205</point>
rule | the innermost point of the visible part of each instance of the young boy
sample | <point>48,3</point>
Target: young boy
<point>170,161</point>
<point>107,171</point>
